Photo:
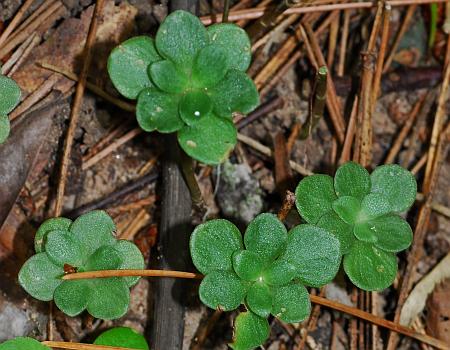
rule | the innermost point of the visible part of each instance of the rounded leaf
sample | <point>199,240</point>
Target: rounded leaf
<point>347,208</point>
<point>193,106</point>
<point>210,66</point>
<point>104,258</point>
<point>351,179</point>
<point>222,290</point>
<point>123,337</point>
<point>279,272</point>
<point>364,232</point>
<point>93,229</point>
<point>236,43</point>
<point>180,36</point>
<point>369,267</point>
<point>210,140</point>
<point>259,299</point>
<point>157,110</point>
<point>9,95</point>
<point>315,253</point>
<point>132,259</point>
<point>250,331</point>
<point>397,184</point>
<point>52,224</point>
<point>266,235</point>
<point>168,77</point>
<point>128,64</point>
<point>291,303</point>
<point>5,128</point>
<point>63,248</point>
<point>109,298</point>
<point>71,297</point>
<point>248,265</point>
<point>22,343</point>
<point>393,233</point>
<point>40,277</point>
<point>314,197</point>
<point>374,205</point>
<point>212,245</point>
<point>332,223</point>
<point>235,93</point>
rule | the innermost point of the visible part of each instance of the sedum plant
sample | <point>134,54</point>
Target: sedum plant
<point>86,244</point>
<point>189,80</point>
<point>267,271</point>
<point>362,211</point>
<point>9,99</point>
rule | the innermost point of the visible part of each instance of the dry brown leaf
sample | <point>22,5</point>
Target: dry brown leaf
<point>438,312</point>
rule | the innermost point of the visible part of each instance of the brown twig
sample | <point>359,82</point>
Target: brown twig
<point>131,273</point>
<point>350,134</point>
<point>267,107</point>
<point>343,44</point>
<point>203,332</point>
<point>288,203</point>
<point>80,346</point>
<point>15,21</point>
<point>75,112</point>
<point>332,40</point>
<point>312,323</point>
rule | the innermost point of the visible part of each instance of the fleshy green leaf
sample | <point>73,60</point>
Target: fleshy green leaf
<point>123,337</point>
<point>248,265</point>
<point>222,290</point>
<point>235,93</point>
<point>63,248</point>
<point>210,140</point>
<point>259,299</point>
<point>279,272</point>
<point>314,197</point>
<point>93,229</point>
<point>266,235</point>
<point>128,64</point>
<point>369,267</point>
<point>180,36</point>
<point>213,243</point>
<point>397,184</point>
<point>364,232</point>
<point>157,110</point>
<point>332,223</point>
<point>60,224</point>
<point>393,233</point>
<point>374,205</point>
<point>291,303</point>
<point>9,95</point>
<point>315,253</point>
<point>250,331</point>
<point>236,43</point>
<point>210,66</point>
<point>347,208</point>
<point>109,298</point>
<point>104,258</point>
<point>168,77</point>
<point>40,277</point>
<point>194,106</point>
<point>22,343</point>
<point>5,128</point>
<point>71,297</point>
<point>351,179</point>
<point>132,259</point>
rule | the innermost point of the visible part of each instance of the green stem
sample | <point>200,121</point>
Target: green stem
<point>433,25</point>
<point>226,11</point>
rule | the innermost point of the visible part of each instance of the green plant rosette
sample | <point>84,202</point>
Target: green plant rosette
<point>86,244</point>
<point>189,80</point>
<point>9,99</point>
<point>267,270</point>
<point>362,211</point>
<point>22,343</point>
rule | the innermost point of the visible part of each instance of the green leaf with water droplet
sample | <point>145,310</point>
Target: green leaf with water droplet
<point>212,245</point>
<point>210,140</point>
<point>347,208</point>
<point>166,76</point>
<point>397,184</point>
<point>351,179</point>
<point>332,223</point>
<point>157,110</point>
<point>259,299</point>
<point>291,303</point>
<point>250,331</point>
<point>128,64</point>
<point>314,197</point>
<point>22,343</point>
<point>369,267</point>
<point>52,224</point>
<point>194,106</point>
<point>123,337</point>
<point>248,265</point>
<point>5,128</point>
<point>210,66</point>
<point>222,290</point>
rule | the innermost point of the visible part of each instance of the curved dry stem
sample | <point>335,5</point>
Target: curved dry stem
<point>131,273</point>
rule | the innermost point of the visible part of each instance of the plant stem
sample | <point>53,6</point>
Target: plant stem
<point>318,103</point>
<point>226,11</point>
<point>288,203</point>
<point>131,273</point>
<point>80,346</point>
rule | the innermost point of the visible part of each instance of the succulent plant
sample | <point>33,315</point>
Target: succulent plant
<point>22,343</point>
<point>9,99</point>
